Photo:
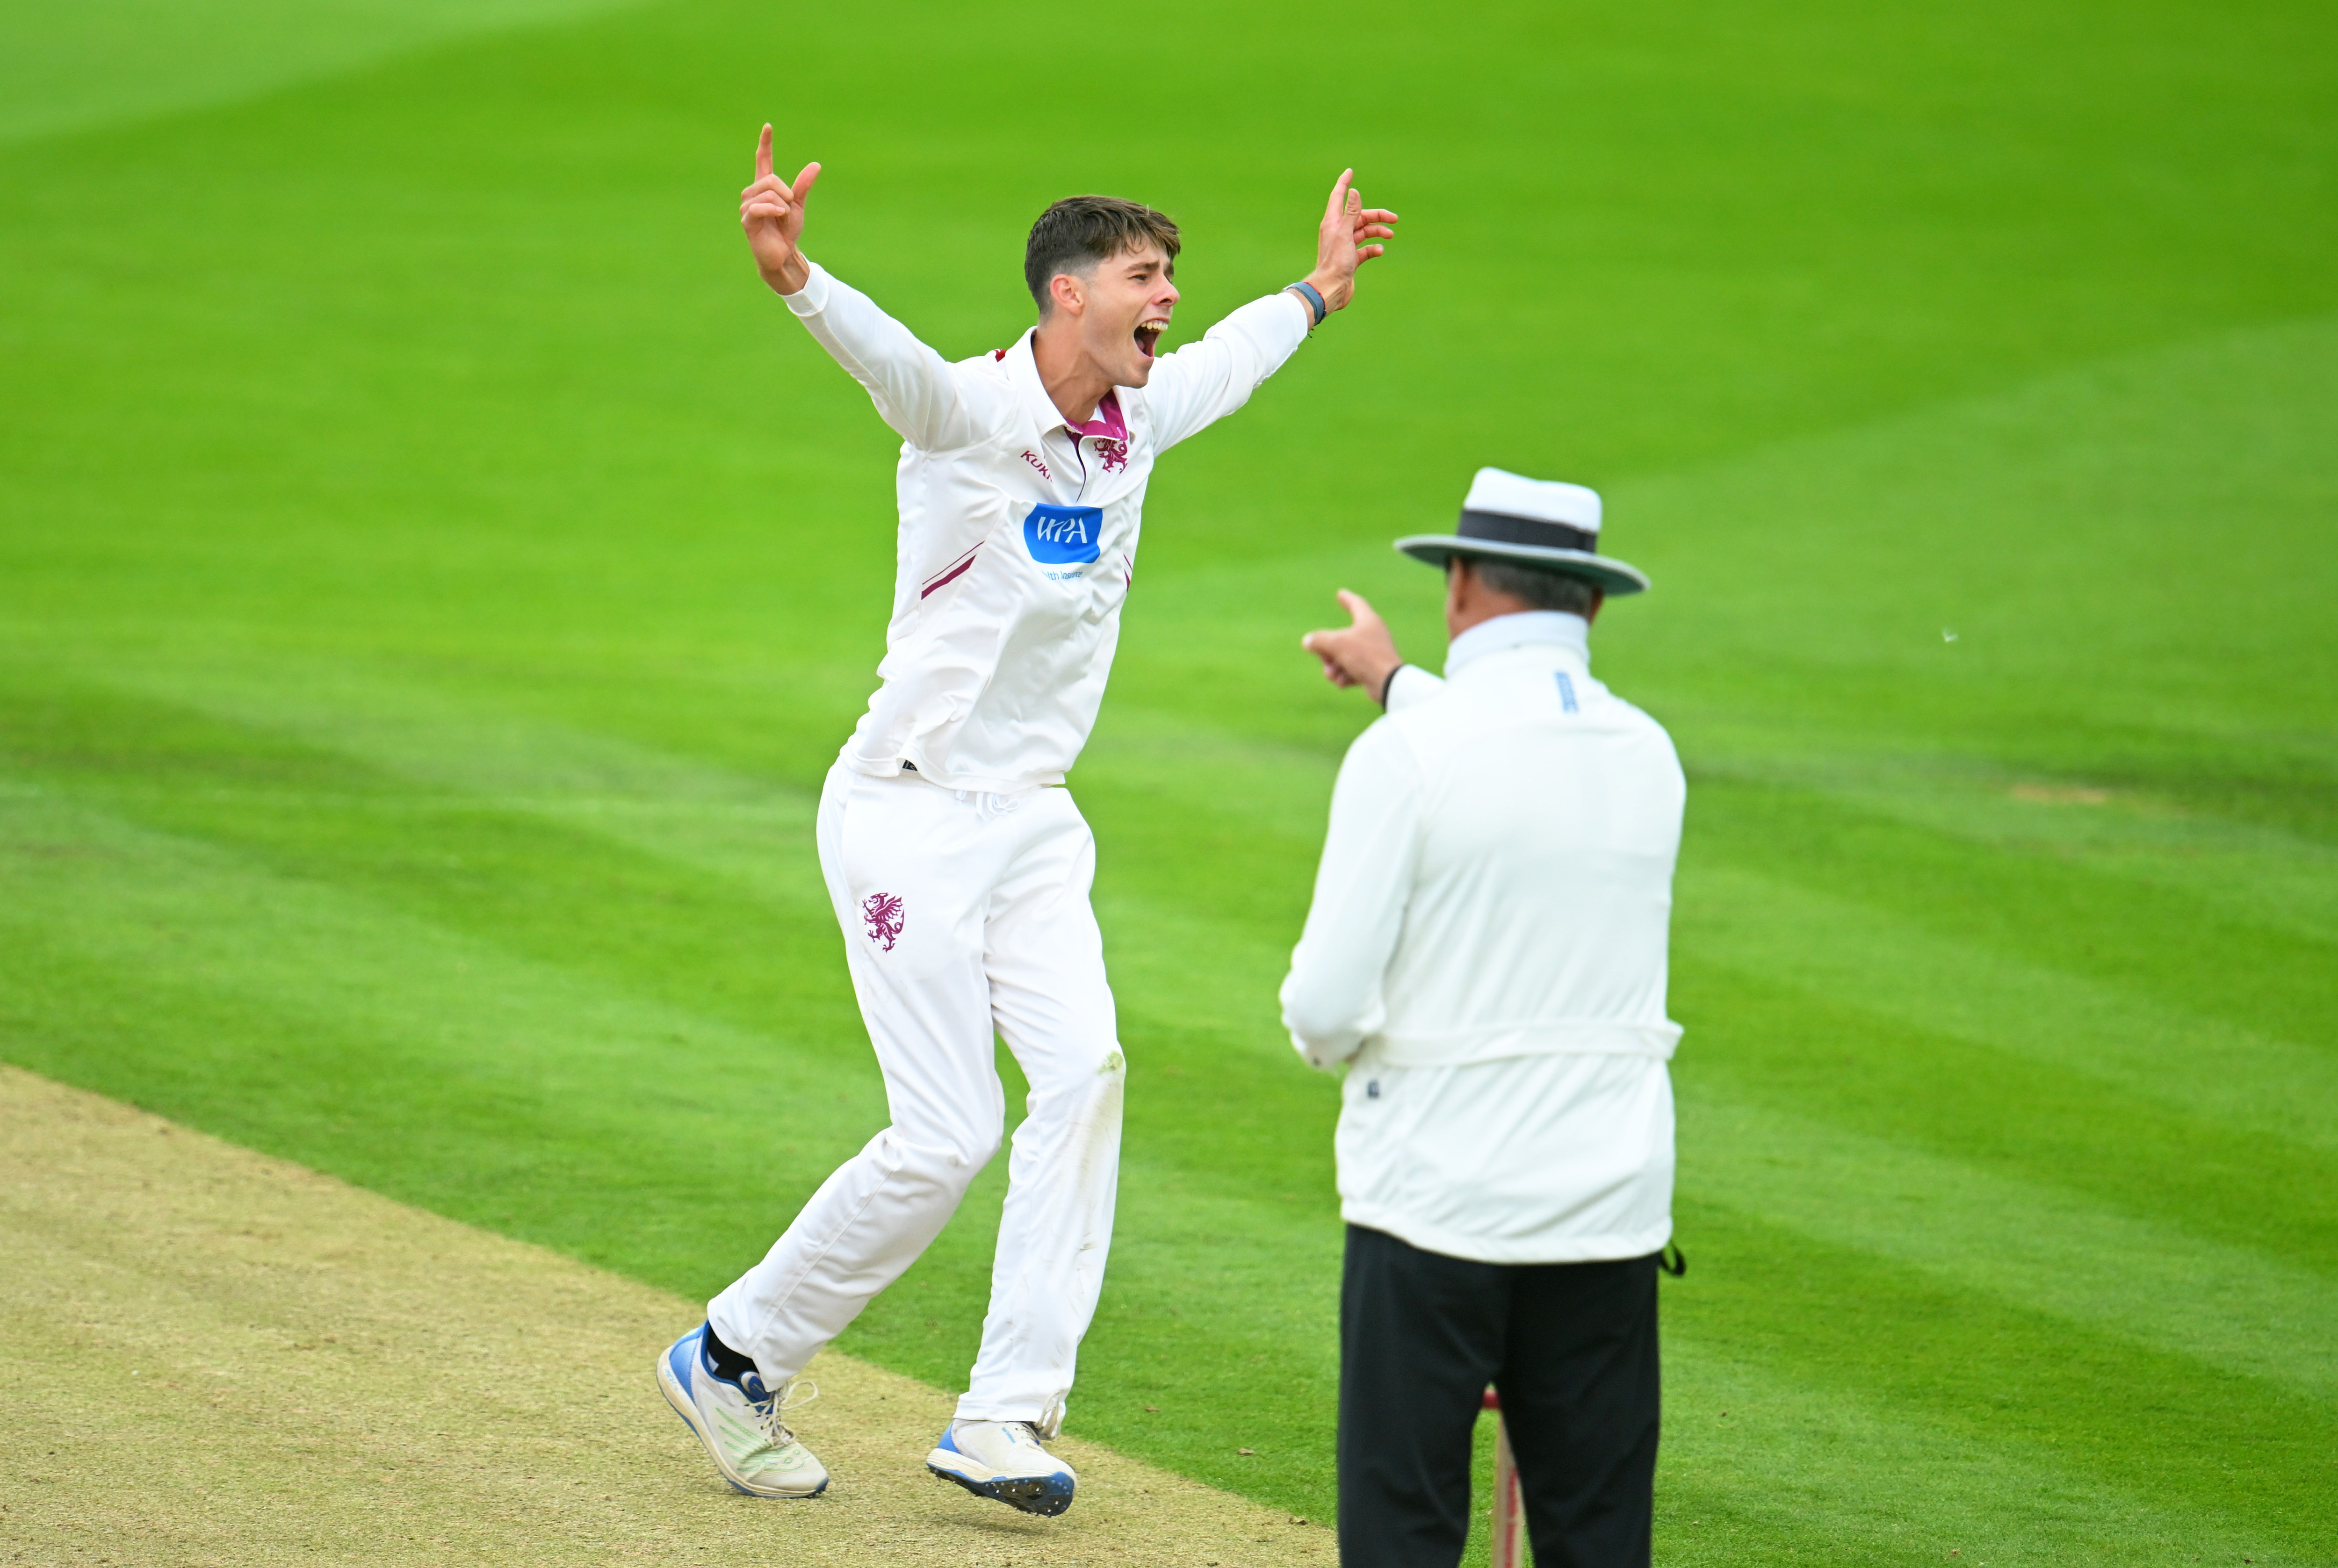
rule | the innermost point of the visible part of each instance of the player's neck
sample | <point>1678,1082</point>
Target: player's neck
<point>1074,381</point>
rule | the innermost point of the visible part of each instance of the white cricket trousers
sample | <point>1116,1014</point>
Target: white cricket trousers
<point>963,913</point>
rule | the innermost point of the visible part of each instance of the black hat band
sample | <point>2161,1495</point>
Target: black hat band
<point>1501,528</point>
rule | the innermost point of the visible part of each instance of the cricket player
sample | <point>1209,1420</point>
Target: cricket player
<point>958,864</point>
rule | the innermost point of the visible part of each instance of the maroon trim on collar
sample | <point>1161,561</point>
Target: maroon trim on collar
<point>1108,423</point>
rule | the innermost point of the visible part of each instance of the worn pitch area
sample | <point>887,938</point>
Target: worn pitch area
<point>211,1357</point>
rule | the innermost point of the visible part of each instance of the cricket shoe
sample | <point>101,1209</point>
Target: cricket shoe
<point>1003,1460</point>
<point>739,1421</point>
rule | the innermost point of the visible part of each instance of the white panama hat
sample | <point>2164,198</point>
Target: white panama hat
<point>1535,522</point>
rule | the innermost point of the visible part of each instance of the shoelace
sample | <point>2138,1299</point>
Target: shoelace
<point>799,1393</point>
<point>1036,1434</point>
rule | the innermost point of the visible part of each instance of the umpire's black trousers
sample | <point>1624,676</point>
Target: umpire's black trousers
<point>1572,1348</point>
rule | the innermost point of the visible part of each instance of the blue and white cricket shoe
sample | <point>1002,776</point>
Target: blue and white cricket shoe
<point>1004,1460</point>
<point>738,1422</point>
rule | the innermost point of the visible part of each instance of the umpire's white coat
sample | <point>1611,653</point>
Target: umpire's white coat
<point>1487,946</point>
<point>962,886</point>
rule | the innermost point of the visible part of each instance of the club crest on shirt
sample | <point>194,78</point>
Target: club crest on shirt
<point>1113,452</point>
<point>1061,535</point>
<point>882,913</point>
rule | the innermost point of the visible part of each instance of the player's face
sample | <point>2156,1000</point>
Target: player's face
<point>1129,302</point>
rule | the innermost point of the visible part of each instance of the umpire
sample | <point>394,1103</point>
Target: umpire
<point>1486,951</point>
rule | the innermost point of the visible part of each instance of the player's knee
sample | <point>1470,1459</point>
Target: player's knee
<point>1080,1085</point>
<point>1095,1096</point>
<point>956,1150</point>
<point>942,1167</point>
<point>974,1149</point>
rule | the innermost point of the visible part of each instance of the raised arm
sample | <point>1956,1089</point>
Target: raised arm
<point>919,392</point>
<point>1343,242</point>
<point>772,212</point>
<point>1205,381</point>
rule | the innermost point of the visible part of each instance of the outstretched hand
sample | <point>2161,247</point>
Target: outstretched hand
<point>772,212</point>
<point>1344,242</point>
<point>1361,653</point>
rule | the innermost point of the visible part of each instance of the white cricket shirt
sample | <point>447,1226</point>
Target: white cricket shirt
<point>1019,532</point>
<point>1487,947</point>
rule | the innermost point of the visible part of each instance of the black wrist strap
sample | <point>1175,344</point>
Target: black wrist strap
<point>1382,698</point>
<point>1313,300</point>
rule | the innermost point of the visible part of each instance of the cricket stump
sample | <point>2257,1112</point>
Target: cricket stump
<point>1509,1549</point>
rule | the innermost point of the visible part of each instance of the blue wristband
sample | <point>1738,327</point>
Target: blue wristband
<point>1315,301</point>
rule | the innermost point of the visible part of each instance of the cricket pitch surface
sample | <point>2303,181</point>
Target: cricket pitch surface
<point>211,1357</point>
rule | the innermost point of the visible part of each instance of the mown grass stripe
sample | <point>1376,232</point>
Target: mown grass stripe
<point>2254,871</point>
<point>1846,1477</point>
<point>1833,942</point>
<point>2226,1451</point>
<point>426,1063</point>
<point>2168,947</point>
<point>2135,1270</point>
<point>1778,1041</point>
<point>754,832</point>
<point>529,885</point>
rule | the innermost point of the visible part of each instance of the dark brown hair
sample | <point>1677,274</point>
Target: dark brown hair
<point>1080,231</point>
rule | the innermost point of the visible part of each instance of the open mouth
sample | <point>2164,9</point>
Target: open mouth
<point>1148,336</point>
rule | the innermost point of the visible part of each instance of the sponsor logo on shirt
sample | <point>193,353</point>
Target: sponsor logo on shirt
<point>1063,535</point>
<point>1033,459</point>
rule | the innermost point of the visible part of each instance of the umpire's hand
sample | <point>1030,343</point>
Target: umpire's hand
<point>1360,654</point>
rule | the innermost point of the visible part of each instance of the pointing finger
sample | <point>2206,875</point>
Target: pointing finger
<point>1338,193</point>
<point>763,155</point>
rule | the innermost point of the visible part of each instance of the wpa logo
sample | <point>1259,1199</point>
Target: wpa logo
<point>1059,536</point>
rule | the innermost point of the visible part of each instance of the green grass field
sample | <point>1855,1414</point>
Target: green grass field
<point>434,575</point>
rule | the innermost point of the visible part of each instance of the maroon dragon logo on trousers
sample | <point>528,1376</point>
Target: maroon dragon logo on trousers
<point>881,913</point>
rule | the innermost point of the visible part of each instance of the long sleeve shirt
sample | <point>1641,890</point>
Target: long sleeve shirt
<point>1019,532</point>
<point>1486,949</point>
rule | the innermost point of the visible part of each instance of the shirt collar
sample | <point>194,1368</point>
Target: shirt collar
<point>1023,367</point>
<point>1528,627</point>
